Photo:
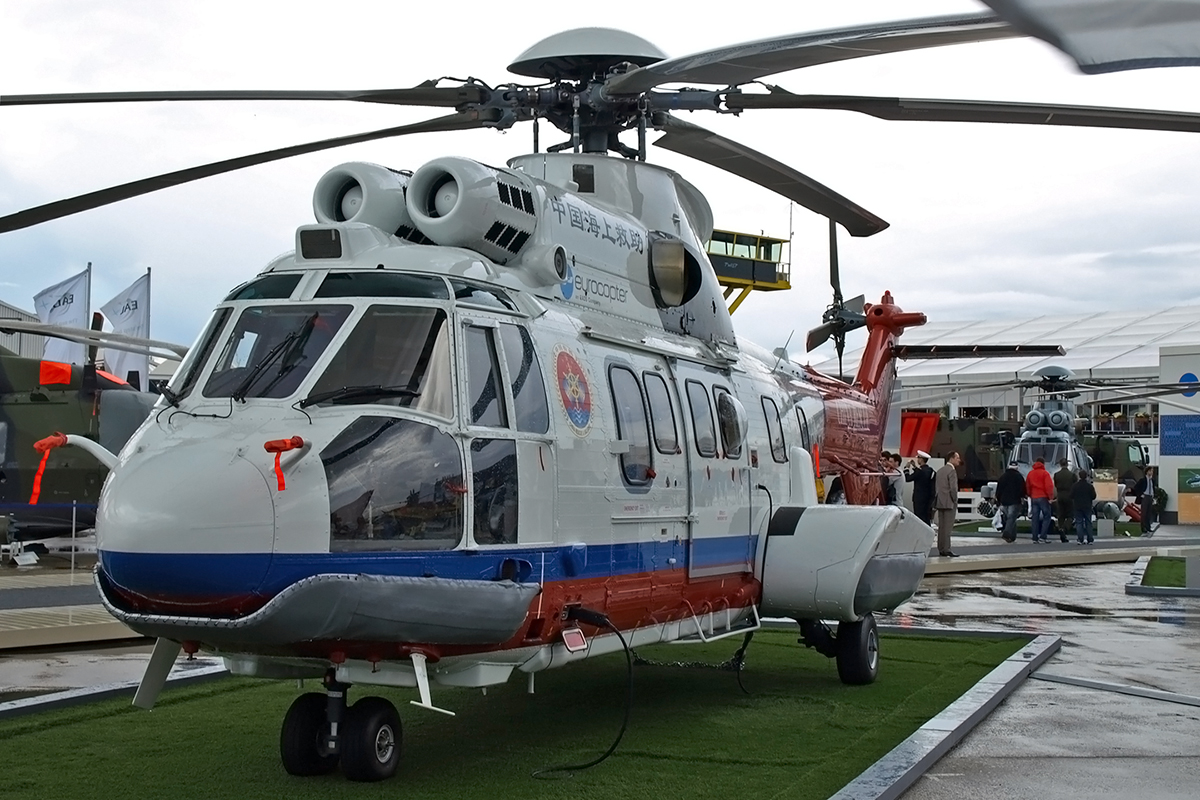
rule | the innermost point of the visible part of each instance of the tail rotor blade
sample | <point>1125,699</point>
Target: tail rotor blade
<point>856,304</point>
<point>819,335</point>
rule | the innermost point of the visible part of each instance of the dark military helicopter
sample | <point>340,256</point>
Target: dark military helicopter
<point>45,495</point>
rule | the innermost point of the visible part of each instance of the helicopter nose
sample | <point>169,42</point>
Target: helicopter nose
<point>192,525</point>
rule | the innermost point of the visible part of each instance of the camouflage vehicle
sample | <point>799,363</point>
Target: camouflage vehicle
<point>39,398</point>
<point>987,446</point>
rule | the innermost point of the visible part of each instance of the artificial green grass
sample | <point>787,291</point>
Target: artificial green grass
<point>1165,571</point>
<point>800,733</point>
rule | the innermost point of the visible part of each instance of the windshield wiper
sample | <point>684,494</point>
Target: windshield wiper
<point>172,398</point>
<point>258,369</point>
<point>291,347</point>
<point>348,393</point>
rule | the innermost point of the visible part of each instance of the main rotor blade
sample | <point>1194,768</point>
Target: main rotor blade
<point>110,339</point>
<point>906,108</point>
<point>113,194</point>
<point>738,64</point>
<point>704,145</point>
<point>425,95</point>
<point>1112,36</point>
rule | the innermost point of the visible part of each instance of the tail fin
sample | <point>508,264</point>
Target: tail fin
<point>876,371</point>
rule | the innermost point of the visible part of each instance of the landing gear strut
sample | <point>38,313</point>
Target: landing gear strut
<point>856,647</point>
<point>319,731</point>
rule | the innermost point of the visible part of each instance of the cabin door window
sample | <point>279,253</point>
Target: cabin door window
<point>719,540</point>
<point>632,426</point>
<point>774,430</point>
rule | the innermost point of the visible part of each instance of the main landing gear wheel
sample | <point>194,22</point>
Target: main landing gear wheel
<point>370,740</point>
<point>300,740</point>
<point>858,651</point>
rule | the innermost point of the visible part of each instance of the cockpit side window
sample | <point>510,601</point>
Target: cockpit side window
<point>394,484</point>
<point>525,374</point>
<point>197,357</point>
<point>272,348</point>
<point>396,355</point>
<point>485,398</point>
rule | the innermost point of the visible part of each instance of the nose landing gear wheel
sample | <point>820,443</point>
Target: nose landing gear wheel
<point>858,651</point>
<point>371,740</point>
<point>301,737</point>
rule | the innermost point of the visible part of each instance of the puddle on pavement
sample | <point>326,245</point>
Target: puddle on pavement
<point>1035,600</point>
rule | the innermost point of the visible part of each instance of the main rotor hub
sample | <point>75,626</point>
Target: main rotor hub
<point>583,52</point>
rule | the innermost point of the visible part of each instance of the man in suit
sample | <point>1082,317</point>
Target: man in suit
<point>945,501</point>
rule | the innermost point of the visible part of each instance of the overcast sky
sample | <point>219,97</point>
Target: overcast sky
<point>987,220</point>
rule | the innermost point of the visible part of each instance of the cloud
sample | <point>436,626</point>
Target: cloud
<point>987,220</point>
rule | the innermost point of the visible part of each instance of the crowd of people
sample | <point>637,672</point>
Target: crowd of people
<point>1061,502</point>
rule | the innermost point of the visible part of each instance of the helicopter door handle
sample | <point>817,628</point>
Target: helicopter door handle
<point>281,446</point>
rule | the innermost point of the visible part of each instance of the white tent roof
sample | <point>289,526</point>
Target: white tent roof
<point>1118,344</point>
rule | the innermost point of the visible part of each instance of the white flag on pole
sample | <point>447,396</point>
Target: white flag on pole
<point>129,313</point>
<point>66,303</point>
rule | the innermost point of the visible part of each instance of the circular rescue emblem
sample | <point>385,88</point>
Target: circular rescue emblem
<point>573,392</point>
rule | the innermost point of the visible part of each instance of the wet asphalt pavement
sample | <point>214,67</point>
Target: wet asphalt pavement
<point>1053,740</point>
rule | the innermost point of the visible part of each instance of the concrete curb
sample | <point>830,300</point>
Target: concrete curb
<point>1134,584</point>
<point>181,676</point>
<point>938,565</point>
<point>895,773</point>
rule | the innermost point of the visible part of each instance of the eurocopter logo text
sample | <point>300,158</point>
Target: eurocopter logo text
<point>64,301</point>
<point>592,287</point>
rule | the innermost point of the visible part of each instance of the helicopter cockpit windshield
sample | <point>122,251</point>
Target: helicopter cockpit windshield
<point>1049,452</point>
<point>396,355</point>
<point>271,349</point>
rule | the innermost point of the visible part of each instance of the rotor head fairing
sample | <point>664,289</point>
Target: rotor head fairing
<point>583,52</point>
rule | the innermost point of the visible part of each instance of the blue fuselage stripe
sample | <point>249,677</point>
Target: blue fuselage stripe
<point>214,574</point>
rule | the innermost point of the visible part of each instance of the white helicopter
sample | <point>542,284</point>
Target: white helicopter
<point>492,420</point>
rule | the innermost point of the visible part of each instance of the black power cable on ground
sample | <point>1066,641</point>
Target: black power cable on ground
<point>600,620</point>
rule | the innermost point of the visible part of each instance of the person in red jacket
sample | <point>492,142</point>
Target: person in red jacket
<point>1040,488</point>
